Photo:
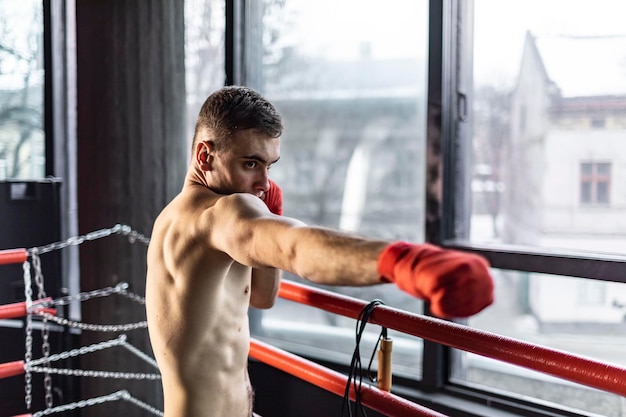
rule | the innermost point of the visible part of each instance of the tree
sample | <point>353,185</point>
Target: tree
<point>492,112</point>
<point>21,91</point>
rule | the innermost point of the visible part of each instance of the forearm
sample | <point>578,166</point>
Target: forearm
<point>332,258</point>
<point>264,287</point>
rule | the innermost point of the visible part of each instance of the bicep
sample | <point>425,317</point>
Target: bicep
<point>244,228</point>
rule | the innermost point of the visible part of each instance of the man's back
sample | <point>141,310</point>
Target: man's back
<point>197,301</point>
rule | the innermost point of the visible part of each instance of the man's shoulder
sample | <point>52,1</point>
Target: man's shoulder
<point>237,202</point>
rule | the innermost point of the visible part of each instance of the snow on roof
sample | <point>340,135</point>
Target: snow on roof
<point>585,66</point>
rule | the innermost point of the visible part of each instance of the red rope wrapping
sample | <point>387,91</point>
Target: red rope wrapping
<point>564,365</point>
<point>382,401</point>
<point>13,256</point>
<point>13,310</point>
<point>9,369</point>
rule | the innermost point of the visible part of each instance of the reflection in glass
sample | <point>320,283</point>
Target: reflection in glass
<point>22,147</point>
<point>204,54</point>
<point>583,317</point>
<point>349,79</point>
<point>549,140</point>
<point>550,125</point>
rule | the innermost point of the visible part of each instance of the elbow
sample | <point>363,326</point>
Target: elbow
<point>262,303</point>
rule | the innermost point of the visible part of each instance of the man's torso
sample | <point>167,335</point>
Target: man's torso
<point>197,300</point>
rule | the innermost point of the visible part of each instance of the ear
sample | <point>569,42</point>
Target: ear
<point>204,154</point>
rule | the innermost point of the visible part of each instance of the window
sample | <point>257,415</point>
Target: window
<point>350,79</point>
<point>598,122</point>
<point>22,139</point>
<point>204,54</point>
<point>351,87</point>
<point>533,135</point>
<point>595,179</point>
<point>532,114</point>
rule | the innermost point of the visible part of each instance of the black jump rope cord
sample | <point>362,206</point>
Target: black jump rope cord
<point>355,375</point>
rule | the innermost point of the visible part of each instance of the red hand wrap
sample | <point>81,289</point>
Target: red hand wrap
<point>274,198</point>
<point>456,284</point>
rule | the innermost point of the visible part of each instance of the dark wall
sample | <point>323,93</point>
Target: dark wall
<point>30,211</point>
<point>278,394</point>
<point>131,161</point>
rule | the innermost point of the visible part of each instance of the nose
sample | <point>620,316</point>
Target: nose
<point>263,182</point>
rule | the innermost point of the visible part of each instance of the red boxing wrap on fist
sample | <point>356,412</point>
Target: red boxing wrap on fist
<point>274,198</point>
<point>456,284</point>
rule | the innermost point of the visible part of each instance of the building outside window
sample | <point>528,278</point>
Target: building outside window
<point>595,181</point>
<point>351,85</point>
<point>559,70</point>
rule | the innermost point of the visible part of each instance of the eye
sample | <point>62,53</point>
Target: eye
<point>250,164</point>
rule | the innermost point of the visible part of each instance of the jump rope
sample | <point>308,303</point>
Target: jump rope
<point>356,372</point>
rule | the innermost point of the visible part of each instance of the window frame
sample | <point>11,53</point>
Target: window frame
<point>60,126</point>
<point>456,88</point>
<point>594,179</point>
<point>449,128</point>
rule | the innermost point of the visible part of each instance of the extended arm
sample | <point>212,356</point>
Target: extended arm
<point>457,284</point>
<point>253,236</point>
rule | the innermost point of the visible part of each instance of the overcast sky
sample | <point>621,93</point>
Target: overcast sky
<point>500,27</point>
<point>336,28</point>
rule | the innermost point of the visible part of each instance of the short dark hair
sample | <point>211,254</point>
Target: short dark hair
<point>235,108</point>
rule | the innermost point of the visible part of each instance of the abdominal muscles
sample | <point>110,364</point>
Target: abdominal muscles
<point>210,361</point>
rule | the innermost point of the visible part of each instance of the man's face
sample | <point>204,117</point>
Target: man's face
<point>243,167</point>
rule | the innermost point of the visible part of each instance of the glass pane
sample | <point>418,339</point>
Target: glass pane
<point>351,87</point>
<point>204,54</point>
<point>22,141</point>
<point>603,192</point>
<point>603,169</point>
<point>585,192</point>
<point>583,317</point>
<point>549,94</point>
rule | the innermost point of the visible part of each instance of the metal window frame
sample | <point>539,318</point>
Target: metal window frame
<point>447,223</point>
<point>234,48</point>
<point>450,91</point>
<point>453,89</point>
<point>60,120</point>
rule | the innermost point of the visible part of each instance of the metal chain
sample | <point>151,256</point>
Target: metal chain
<point>34,253</point>
<point>103,292</point>
<point>140,354</point>
<point>123,394</point>
<point>28,294</point>
<point>41,292</point>
<point>141,404</point>
<point>81,404</point>
<point>82,351</point>
<point>94,374</point>
<point>45,350</point>
<point>95,327</point>
<point>45,330</point>
<point>120,341</point>
<point>136,298</point>
<point>133,236</point>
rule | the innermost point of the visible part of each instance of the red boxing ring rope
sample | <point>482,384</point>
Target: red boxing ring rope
<point>13,256</point>
<point>382,401</point>
<point>596,374</point>
<point>10,311</point>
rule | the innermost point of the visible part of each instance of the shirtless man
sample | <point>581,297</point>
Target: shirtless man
<point>218,248</point>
